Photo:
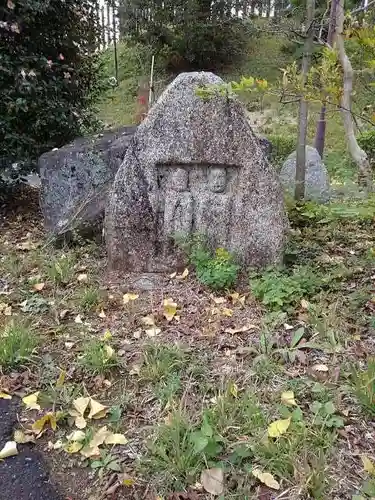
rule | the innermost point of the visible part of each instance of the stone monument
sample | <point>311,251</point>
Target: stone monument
<point>194,167</point>
<point>317,182</point>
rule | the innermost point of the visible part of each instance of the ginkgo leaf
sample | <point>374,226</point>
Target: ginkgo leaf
<point>31,401</point>
<point>21,438</point>
<point>80,422</point>
<point>107,335</point>
<point>97,410</point>
<point>184,275</point>
<point>219,300</point>
<point>115,439</point>
<point>81,404</point>
<point>234,390</point>
<point>169,309</point>
<point>368,465</point>
<point>92,448</point>
<point>102,314</point>
<point>148,321</point>
<point>320,368</point>
<point>76,436</point>
<point>241,329</point>
<point>129,297</point>
<point>48,418</point>
<point>212,480</point>
<point>73,447</point>
<point>266,478</point>
<point>9,450</point>
<point>39,286</point>
<point>60,381</point>
<point>4,395</point>
<point>173,275</point>
<point>278,427</point>
<point>287,398</point>
<point>78,319</point>
<point>82,277</point>
<point>109,351</point>
<point>227,312</point>
<point>153,332</point>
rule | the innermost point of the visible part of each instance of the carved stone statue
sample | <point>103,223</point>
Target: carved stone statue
<point>178,208</point>
<point>194,166</point>
<point>214,209</point>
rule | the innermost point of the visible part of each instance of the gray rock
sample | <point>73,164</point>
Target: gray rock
<point>317,183</point>
<point>75,181</point>
<point>194,166</point>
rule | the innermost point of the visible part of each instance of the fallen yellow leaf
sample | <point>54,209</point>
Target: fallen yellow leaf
<point>226,312</point>
<point>368,465</point>
<point>81,404</point>
<point>102,314</point>
<point>184,275</point>
<point>76,436</point>
<point>148,321</point>
<point>82,277</point>
<point>97,410</point>
<point>107,335</point>
<point>115,439</point>
<point>219,300</point>
<point>128,297</point>
<point>153,332</point>
<point>278,427</point>
<point>241,329</point>
<point>4,395</point>
<point>320,368</point>
<point>39,286</point>
<point>287,398</point>
<point>173,275</point>
<point>31,401</point>
<point>60,381</point>
<point>48,418</point>
<point>110,352</point>
<point>169,309</point>
<point>266,478</point>
<point>234,390</point>
<point>92,448</point>
<point>9,450</point>
<point>21,438</point>
<point>72,447</point>
<point>78,319</point>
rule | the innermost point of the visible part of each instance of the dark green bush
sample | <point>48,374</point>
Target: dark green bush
<point>50,76</point>
<point>282,146</point>
<point>367,143</point>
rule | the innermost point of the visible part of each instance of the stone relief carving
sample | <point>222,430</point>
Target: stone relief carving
<point>195,199</point>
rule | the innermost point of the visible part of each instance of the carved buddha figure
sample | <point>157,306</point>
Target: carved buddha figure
<point>178,211</point>
<point>213,212</point>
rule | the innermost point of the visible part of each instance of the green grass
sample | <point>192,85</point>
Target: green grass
<point>17,344</point>
<point>61,269</point>
<point>89,298</point>
<point>363,382</point>
<point>160,361</point>
<point>98,357</point>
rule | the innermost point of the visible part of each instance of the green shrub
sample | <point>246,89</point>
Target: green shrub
<point>282,146</point>
<point>98,357</point>
<point>282,289</point>
<point>367,143</point>
<point>217,271</point>
<point>50,77</point>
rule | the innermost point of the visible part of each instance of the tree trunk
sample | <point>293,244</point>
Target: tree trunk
<point>357,153</point>
<point>321,125</point>
<point>299,192</point>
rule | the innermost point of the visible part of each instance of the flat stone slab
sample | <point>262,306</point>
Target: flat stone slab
<point>76,179</point>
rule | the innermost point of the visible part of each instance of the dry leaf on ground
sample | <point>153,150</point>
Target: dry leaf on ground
<point>9,450</point>
<point>287,398</point>
<point>31,401</point>
<point>213,480</point>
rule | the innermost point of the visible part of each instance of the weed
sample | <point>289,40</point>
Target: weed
<point>98,357</point>
<point>281,289</point>
<point>105,463</point>
<point>90,298</point>
<point>161,361</point>
<point>17,343</point>
<point>363,381</point>
<point>61,270</point>
<point>168,387</point>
